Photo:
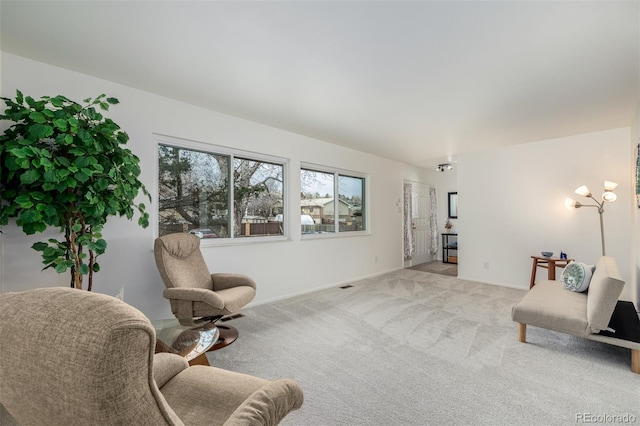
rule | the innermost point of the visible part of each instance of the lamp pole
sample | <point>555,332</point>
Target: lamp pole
<point>600,207</point>
<point>608,196</point>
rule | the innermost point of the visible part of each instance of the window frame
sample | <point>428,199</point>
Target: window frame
<point>337,172</point>
<point>232,153</point>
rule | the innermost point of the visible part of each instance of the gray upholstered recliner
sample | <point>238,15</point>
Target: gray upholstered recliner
<point>191,289</point>
<point>70,357</point>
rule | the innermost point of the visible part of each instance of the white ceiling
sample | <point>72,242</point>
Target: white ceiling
<point>417,81</point>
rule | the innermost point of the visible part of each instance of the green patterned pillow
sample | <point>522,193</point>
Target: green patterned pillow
<point>576,276</point>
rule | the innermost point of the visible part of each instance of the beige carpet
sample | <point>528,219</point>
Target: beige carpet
<point>417,348</point>
<point>437,267</point>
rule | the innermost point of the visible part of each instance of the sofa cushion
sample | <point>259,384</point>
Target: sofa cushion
<point>604,290</point>
<point>576,276</point>
<point>549,305</point>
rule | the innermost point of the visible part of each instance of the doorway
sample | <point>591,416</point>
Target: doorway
<point>420,236</point>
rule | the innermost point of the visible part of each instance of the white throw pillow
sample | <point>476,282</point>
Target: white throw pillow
<point>576,276</point>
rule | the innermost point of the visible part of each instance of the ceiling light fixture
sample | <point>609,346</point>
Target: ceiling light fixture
<point>444,167</point>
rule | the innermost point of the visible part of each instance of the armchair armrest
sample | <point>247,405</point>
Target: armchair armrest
<point>223,281</point>
<point>166,366</point>
<point>239,398</point>
<point>268,405</point>
<point>194,295</point>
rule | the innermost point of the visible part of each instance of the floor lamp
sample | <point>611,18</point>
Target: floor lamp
<point>607,197</point>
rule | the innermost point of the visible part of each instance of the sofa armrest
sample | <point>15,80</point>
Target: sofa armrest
<point>166,366</point>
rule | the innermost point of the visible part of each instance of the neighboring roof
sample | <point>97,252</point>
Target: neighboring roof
<point>319,202</point>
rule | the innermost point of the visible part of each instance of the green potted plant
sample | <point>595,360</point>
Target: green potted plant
<point>64,165</point>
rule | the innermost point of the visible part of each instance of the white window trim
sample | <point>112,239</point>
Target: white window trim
<point>344,172</point>
<point>160,139</point>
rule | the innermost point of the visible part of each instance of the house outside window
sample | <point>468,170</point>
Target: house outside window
<point>195,196</point>
<point>321,210</point>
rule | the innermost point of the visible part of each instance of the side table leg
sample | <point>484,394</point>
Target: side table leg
<point>200,360</point>
<point>533,273</point>
<point>552,270</point>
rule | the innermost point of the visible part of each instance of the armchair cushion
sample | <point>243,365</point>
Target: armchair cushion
<point>549,305</point>
<point>166,366</point>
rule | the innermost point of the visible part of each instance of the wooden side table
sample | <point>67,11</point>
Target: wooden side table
<point>549,263</point>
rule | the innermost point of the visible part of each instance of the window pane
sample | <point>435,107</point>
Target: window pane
<point>317,201</point>
<point>257,198</point>
<point>351,196</point>
<point>193,192</point>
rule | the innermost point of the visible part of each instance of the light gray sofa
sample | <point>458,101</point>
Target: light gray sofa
<point>549,305</point>
<point>71,357</point>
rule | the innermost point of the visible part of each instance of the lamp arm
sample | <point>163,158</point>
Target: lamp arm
<point>600,205</point>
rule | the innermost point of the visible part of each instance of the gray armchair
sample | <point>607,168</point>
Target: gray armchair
<point>192,290</point>
<point>70,357</point>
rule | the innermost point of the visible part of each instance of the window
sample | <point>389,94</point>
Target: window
<point>320,212</point>
<point>194,193</point>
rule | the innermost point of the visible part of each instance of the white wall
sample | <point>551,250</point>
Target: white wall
<point>512,201</point>
<point>280,269</point>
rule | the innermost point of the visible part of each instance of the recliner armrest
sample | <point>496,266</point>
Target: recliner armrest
<point>194,295</point>
<point>166,366</point>
<point>269,404</point>
<point>223,281</point>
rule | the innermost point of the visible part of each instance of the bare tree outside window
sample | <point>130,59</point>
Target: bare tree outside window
<point>195,197</point>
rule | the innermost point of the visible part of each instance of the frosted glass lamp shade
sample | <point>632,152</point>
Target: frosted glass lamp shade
<point>609,196</point>
<point>570,203</point>
<point>609,186</point>
<point>583,190</point>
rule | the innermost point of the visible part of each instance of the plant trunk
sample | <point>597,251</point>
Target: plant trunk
<point>91,262</point>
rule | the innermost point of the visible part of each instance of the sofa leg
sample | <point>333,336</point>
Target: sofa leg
<point>635,360</point>
<point>522,333</point>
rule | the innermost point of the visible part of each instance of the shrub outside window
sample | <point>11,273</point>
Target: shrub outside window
<point>320,212</point>
<point>194,193</point>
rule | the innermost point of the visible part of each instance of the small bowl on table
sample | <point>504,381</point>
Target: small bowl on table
<point>546,253</point>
